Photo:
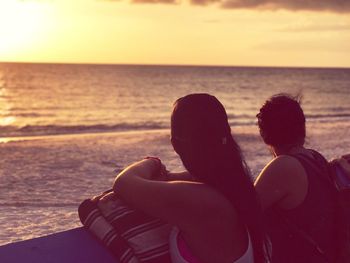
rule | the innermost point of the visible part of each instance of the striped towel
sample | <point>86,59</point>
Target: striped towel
<point>130,235</point>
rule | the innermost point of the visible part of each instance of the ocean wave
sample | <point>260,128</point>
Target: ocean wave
<point>328,116</point>
<point>25,115</point>
<point>245,119</point>
<point>37,130</point>
<point>239,116</point>
<point>40,204</point>
<point>42,130</point>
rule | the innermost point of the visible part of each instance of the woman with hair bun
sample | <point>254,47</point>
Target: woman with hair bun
<point>212,207</point>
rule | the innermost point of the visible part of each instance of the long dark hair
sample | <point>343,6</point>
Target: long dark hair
<point>202,136</point>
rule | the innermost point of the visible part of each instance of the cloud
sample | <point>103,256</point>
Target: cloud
<point>147,1</point>
<point>155,1</point>
<point>327,45</point>
<point>295,5</point>
<point>339,6</point>
<point>316,28</point>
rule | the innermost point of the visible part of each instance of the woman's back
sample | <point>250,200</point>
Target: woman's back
<point>313,218</point>
<point>180,252</point>
<point>219,237</point>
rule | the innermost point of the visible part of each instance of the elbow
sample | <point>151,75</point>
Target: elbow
<point>117,184</point>
<point>124,183</point>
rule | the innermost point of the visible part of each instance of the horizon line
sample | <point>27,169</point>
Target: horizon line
<point>173,65</point>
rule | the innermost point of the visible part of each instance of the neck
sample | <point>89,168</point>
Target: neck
<point>277,151</point>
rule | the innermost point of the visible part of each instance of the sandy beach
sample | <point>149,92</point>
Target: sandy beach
<point>43,179</point>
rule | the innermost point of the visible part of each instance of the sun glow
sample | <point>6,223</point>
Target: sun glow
<point>97,31</point>
<point>22,24</point>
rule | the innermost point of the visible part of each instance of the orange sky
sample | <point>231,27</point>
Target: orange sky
<point>99,31</point>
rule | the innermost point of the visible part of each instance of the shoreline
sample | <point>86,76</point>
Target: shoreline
<point>5,139</point>
<point>78,134</point>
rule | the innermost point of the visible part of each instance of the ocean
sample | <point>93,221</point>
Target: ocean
<point>65,128</point>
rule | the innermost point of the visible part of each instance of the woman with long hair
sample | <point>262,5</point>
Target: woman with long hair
<point>212,206</point>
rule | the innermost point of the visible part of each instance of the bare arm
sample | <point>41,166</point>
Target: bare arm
<point>181,176</point>
<point>282,182</point>
<point>181,203</point>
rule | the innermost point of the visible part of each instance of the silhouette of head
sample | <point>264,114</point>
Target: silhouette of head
<point>281,121</point>
<point>199,128</point>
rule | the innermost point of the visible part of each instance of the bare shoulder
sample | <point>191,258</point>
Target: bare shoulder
<point>282,180</point>
<point>284,161</point>
<point>285,165</point>
<point>183,203</point>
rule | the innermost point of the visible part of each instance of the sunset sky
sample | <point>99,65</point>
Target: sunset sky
<point>198,32</point>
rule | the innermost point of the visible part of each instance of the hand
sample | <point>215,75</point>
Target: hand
<point>152,169</point>
<point>346,157</point>
<point>97,198</point>
<point>108,197</point>
<point>149,169</point>
<point>343,163</point>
